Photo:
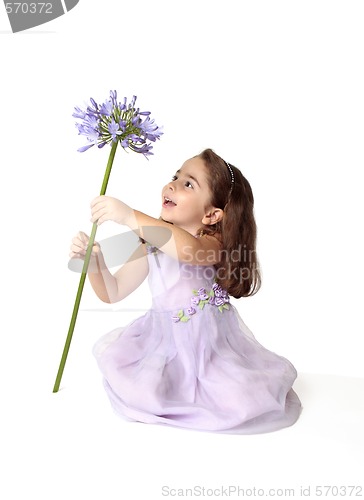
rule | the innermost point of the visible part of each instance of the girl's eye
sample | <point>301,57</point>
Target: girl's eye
<point>187,183</point>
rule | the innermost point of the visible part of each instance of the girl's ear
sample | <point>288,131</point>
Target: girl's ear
<point>213,216</point>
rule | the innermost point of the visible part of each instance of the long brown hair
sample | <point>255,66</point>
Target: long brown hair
<point>238,270</point>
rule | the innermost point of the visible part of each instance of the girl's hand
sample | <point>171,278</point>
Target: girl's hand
<point>79,246</point>
<point>105,208</point>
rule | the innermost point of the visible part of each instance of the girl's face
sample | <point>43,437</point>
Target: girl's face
<point>186,200</point>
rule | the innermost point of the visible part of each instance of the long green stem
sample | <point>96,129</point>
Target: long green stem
<point>83,275</point>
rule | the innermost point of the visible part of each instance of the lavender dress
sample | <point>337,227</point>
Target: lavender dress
<point>191,362</point>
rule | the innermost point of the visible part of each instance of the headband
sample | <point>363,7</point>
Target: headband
<point>231,175</point>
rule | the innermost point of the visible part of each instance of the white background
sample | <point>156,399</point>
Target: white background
<point>276,88</point>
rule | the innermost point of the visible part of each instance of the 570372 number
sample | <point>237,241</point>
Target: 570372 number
<point>339,491</point>
<point>28,8</point>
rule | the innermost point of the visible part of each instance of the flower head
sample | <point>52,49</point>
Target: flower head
<point>117,121</point>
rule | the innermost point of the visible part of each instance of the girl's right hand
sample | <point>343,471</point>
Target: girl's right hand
<point>79,246</point>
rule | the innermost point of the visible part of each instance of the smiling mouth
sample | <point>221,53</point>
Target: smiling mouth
<point>168,202</point>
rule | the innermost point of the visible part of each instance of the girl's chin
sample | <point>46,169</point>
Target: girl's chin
<point>165,219</point>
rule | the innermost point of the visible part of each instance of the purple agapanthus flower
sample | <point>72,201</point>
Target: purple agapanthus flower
<point>107,108</point>
<point>114,130</point>
<point>115,121</point>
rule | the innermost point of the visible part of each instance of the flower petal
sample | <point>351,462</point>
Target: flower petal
<point>85,148</point>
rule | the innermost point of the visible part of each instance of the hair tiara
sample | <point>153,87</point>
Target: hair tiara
<point>231,175</point>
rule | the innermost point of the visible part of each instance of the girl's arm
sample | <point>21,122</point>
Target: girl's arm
<point>170,239</point>
<point>180,244</point>
<point>111,288</point>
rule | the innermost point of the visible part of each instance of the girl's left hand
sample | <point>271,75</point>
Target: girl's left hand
<point>105,208</point>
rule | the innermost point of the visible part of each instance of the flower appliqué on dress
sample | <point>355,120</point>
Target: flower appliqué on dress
<point>151,250</point>
<point>217,296</point>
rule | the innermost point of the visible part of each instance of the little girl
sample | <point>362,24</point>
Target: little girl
<point>190,361</point>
